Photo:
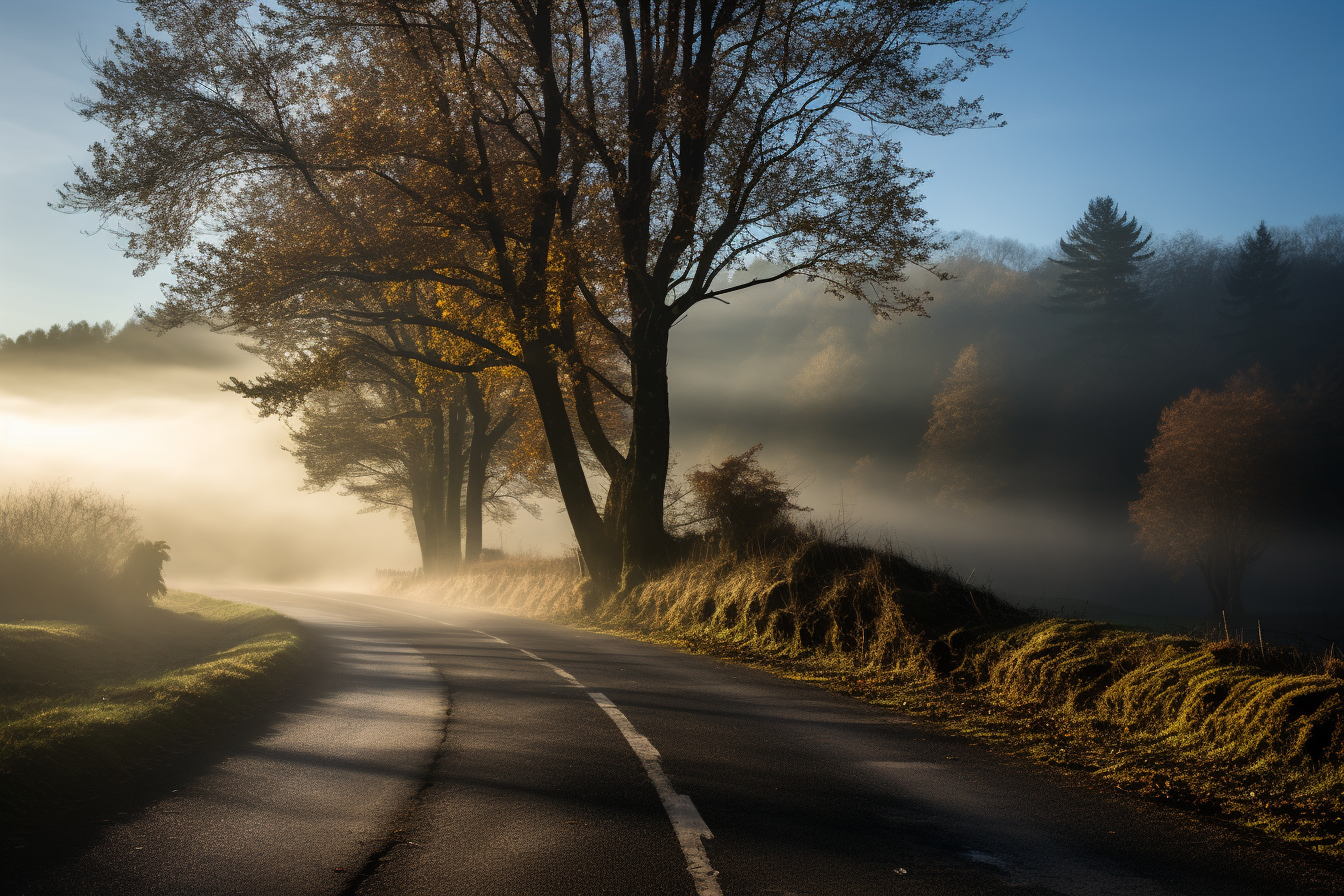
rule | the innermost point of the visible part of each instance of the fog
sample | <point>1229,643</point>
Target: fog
<point>839,398</point>
<point>148,422</point>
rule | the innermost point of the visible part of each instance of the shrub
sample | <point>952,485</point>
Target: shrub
<point>69,552</point>
<point>742,500</point>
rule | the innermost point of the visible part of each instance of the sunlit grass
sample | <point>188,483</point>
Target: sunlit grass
<point>1219,728</point>
<point>86,705</point>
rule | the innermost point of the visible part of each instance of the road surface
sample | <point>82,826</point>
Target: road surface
<point>456,751</point>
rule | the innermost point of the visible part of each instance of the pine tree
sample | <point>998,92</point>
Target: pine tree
<point>1101,265</point>
<point>1258,293</point>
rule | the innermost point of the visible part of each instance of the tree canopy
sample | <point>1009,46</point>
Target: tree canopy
<point>546,186</point>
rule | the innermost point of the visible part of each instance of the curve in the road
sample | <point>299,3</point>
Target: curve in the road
<point>690,828</point>
<point>494,755</point>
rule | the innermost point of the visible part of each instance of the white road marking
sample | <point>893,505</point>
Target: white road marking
<point>986,858</point>
<point>573,682</point>
<point>689,827</point>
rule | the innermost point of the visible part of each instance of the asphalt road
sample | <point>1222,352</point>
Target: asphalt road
<point>453,751</point>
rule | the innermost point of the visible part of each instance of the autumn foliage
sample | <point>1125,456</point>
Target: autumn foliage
<point>952,455</point>
<point>1216,478</point>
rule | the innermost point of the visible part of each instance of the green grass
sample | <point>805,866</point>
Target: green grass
<point>87,706</point>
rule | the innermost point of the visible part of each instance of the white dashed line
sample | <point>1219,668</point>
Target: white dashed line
<point>689,827</point>
<point>573,682</point>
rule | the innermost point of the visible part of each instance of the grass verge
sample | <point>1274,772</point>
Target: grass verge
<point>1250,735</point>
<point>86,706</point>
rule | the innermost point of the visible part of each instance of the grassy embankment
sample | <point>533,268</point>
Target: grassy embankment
<point>85,706</point>
<point>1255,736</point>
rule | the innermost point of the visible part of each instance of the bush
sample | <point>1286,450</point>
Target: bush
<point>742,500</point>
<point>67,552</point>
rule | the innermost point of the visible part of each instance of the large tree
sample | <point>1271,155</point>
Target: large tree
<point>1100,256</point>
<point>1215,486</point>
<point>566,178</point>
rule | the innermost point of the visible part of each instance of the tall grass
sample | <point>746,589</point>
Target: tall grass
<point>806,595</point>
<point>1255,734</point>
<point>538,586</point>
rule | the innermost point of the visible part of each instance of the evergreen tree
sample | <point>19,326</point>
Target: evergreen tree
<point>1258,291</point>
<point>1101,265</point>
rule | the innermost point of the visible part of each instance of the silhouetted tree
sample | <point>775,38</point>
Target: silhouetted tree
<point>1215,484</point>
<point>383,415</point>
<point>952,455</point>
<point>1101,255</point>
<point>1258,293</point>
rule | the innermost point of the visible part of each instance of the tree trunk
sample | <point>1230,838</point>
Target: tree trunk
<point>483,441</point>
<point>600,553</point>
<point>433,513</point>
<point>452,503</point>
<point>645,545</point>
<point>1223,570</point>
<point>421,536</point>
<point>477,459</point>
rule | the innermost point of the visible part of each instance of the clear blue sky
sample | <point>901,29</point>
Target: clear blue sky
<point>1203,115</point>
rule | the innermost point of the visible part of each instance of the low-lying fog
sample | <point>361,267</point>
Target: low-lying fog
<point>202,472</point>
<point>839,398</point>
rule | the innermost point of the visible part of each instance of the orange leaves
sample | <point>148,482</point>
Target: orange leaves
<point>1216,473</point>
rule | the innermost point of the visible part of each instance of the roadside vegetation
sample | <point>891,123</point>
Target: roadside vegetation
<point>1250,733</point>
<point>103,672</point>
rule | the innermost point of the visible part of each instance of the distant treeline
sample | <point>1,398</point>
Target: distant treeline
<point>1064,406</point>
<point>82,343</point>
<point>77,335</point>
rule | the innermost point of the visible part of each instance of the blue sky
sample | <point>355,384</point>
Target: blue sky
<point>1203,115</point>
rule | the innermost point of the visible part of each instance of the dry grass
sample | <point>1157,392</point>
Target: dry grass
<point>1220,728</point>
<point>535,586</point>
<point>85,706</point>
